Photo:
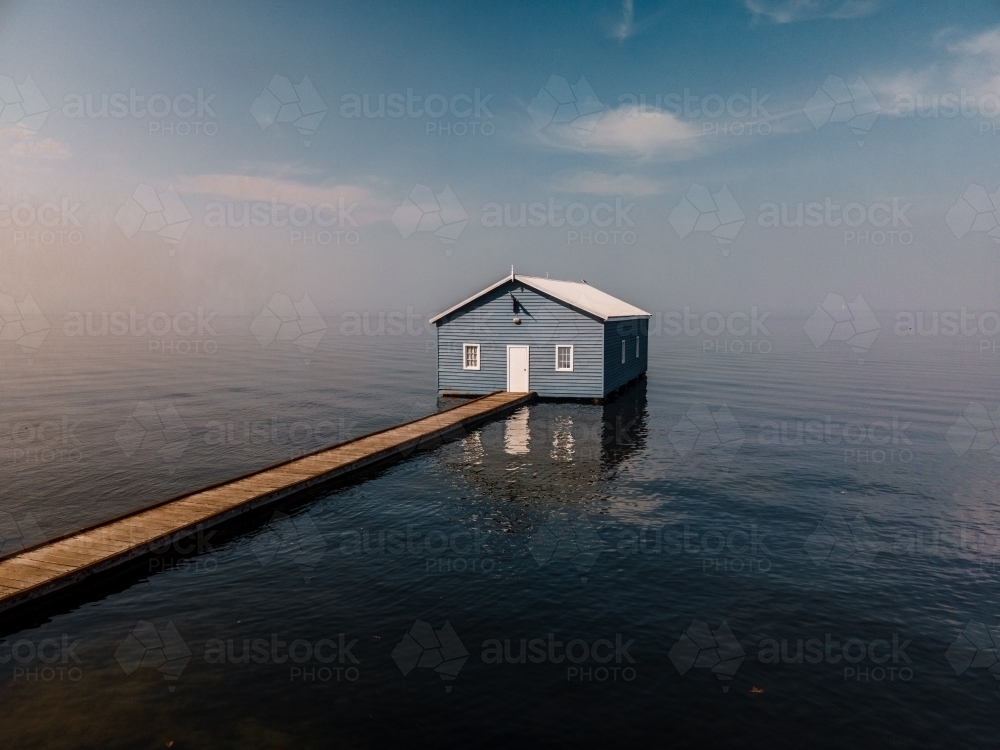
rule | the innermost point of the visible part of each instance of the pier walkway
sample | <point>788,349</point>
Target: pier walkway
<point>66,561</point>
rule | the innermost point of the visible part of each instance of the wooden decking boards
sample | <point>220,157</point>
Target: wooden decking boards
<point>62,562</point>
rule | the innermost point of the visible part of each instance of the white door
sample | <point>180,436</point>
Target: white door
<point>517,369</point>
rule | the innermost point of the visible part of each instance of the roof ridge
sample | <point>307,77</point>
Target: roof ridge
<point>546,278</point>
<point>602,304</point>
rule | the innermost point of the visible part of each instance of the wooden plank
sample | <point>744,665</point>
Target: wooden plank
<point>24,574</point>
<point>54,563</point>
<point>38,561</point>
<point>90,548</point>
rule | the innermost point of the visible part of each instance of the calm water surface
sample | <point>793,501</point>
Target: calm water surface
<point>750,548</point>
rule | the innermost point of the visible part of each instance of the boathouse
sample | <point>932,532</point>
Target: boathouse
<point>560,339</point>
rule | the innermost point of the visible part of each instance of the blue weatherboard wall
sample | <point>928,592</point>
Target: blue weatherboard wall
<point>545,322</point>
<point>617,374</point>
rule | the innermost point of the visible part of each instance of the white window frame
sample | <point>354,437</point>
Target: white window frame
<point>623,351</point>
<point>564,346</point>
<point>637,347</point>
<point>479,357</point>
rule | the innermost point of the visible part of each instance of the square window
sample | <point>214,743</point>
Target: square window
<point>470,360</point>
<point>564,357</point>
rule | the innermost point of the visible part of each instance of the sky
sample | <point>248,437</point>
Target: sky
<point>380,156</point>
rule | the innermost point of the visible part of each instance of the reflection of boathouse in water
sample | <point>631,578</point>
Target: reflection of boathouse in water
<point>555,451</point>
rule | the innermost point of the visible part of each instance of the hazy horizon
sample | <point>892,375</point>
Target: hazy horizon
<point>669,106</point>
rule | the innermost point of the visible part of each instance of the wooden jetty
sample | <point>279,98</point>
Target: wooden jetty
<point>63,562</point>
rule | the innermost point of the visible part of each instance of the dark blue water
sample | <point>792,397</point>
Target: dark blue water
<point>751,548</point>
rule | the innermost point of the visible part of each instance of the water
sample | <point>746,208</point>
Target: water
<point>624,531</point>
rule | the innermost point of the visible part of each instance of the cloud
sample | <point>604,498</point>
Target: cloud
<point>626,133</point>
<point>887,87</point>
<point>25,144</point>
<point>985,43</point>
<point>48,148</point>
<point>626,27</point>
<point>791,11</point>
<point>971,64</point>
<point>372,208</point>
<point>599,183</point>
<point>976,60</point>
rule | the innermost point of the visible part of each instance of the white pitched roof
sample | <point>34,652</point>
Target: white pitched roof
<point>575,293</point>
